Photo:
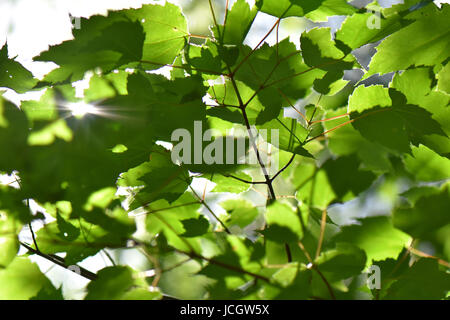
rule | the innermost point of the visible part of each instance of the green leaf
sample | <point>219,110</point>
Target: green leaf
<point>279,234</point>
<point>284,8</point>
<point>428,214</point>
<point>9,242</point>
<point>319,187</point>
<point>120,38</point>
<point>313,186</point>
<point>13,204</point>
<point>229,184</point>
<point>403,8</point>
<point>320,51</point>
<point>49,133</point>
<point>395,127</point>
<point>49,293</point>
<point>24,280</point>
<point>347,140</point>
<point>67,230</point>
<point>314,10</point>
<point>424,42</point>
<point>280,216</point>
<point>142,294</point>
<point>331,83</point>
<point>238,21</point>
<point>295,284</point>
<point>241,212</point>
<point>416,84</point>
<point>13,75</point>
<point>161,178</point>
<point>423,281</point>
<point>13,136</point>
<point>43,110</point>
<point>376,236</point>
<point>195,227</point>
<point>357,30</point>
<point>364,98</point>
<point>426,165</point>
<point>279,66</point>
<point>153,99</point>
<point>171,25</point>
<point>112,284</point>
<point>101,42</point>
<point>329,8</point>
<point>339,171</point>
<point>91,239</point>
<point>444,79</point>
<point>170,218</point>
<point>342,262</point>
<point>117,176</point>
<point>106,86</point>
<point>286,134</point>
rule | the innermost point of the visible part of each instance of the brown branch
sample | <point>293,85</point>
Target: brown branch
<point>60,262</point>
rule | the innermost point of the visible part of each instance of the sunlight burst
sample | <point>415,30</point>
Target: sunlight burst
<point>80,109</point>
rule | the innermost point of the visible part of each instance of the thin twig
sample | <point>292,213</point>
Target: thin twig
<point>284,168</point>
<point>224,265</point>
<point>328,119</point>
<point>60,262</point>
<point>203,202</point>
<point>168,208</point>
<point>328,131</point>
<point>243,180</point>
<point>426,255</point>
<point>109,257</point>
<point>260,42</point>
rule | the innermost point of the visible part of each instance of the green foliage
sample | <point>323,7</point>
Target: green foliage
<point>13,74</point>
<point>106,178</point>
<point>429,47</point>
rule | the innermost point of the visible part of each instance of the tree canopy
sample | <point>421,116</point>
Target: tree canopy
<point>100,167</point>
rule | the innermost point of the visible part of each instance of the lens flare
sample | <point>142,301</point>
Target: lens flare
<point>80,109</point>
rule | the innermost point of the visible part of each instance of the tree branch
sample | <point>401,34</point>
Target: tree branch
<point>60,262</point>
